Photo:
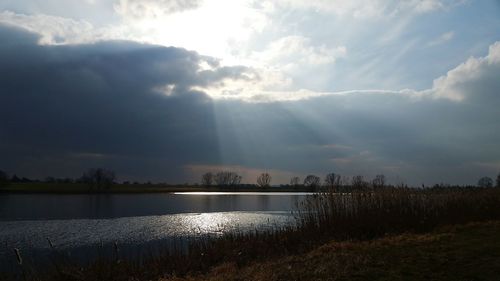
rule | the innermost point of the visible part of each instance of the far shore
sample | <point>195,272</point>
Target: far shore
<point>80,188</point>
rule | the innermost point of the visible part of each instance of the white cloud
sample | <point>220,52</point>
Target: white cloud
<point>297,51</point>
<point>363,9</point>
<point>443,38</point>
<point>153,8</point>
<point>472,78</point>
<point>289,57</point>
<point>423,6</point>
<point>212,27</point>
<point>477,78</point>
<point>52,29</point>
<point>253,91</point>
<point>279,64</point>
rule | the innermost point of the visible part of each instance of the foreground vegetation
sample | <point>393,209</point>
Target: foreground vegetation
<point>348,219</point>
<point>466,252</point>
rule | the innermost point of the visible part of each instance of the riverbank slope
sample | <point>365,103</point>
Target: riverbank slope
<point>465,252</point>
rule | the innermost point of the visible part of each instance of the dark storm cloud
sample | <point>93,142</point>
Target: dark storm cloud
<point>449,133</point>
<point>104,102</point>
<point>417,140</point>
<point>132,108</point>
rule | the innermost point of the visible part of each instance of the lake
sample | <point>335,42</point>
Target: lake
<point>78,222</point>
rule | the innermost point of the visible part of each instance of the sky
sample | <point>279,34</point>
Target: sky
<point>166,90</point>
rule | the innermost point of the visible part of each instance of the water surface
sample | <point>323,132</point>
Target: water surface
<point>79,222</point>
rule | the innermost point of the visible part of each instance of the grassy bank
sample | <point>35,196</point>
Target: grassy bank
<point>466,252</point>
<point>80,188</point>
<point>354,220</point>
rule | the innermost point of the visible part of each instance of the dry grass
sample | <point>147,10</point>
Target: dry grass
<point>470,252</point>
<point>370,214</point>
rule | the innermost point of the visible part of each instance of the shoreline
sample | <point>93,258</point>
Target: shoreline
<point>76,188</point>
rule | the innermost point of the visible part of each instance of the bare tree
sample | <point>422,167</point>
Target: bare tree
<point>485,182</point>
<point>358,182</point>
<point>99,178</point>
<point>312,181</point>
<point>498,180</point>
<point>264,180</point>
<point>227,179</point>
<point>220,178</point>
<point>345,181</point>
<point>332,180</point>
<point>378,181</point>
<point>207,179</point>
<point>234,179</point>
<point>295,181</point>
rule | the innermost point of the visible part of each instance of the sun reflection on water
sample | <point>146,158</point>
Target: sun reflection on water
<point>134,230</point>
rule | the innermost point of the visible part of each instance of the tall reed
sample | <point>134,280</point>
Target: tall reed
<point>368,214</point>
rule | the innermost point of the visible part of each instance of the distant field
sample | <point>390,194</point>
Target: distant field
<point>132,188</point>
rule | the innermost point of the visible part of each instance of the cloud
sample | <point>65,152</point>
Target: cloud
<point>423,6</point>
<point>443,38</point>
<point>409,135</point>
<point>276,68</point>
<point>141,9</point>
<point>103,99</point>
<point>298,51</point>
<point>475,79</point>
<point>365,9</point>
<point>52,29</point>
<point>142,110</point>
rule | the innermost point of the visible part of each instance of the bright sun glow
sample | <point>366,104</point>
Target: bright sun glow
<point>213,29</point>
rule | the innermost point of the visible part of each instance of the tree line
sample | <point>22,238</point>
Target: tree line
<point>101,179</point>
<point>331,180</point>
<point>95,178</point>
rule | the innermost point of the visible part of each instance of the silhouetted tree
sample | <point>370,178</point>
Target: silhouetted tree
<point>98,178</point>
<point>264,180</point>
<point>485,182</point>
<point>207,179</point>
<point>358,182</point>
<point>312,181</point>
<point>295,181</point>
<point>4,178</point>
<point>227,179</point>
<point>15,178</point>
<point>332,180</point>
<point>378,181</point>
<point>234,179</point>
<point>345,181</point>
<point>498,180</point>
<point>50,180</point>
